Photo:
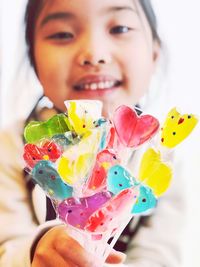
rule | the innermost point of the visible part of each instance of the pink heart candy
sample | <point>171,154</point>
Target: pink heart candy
<point>134,130</point>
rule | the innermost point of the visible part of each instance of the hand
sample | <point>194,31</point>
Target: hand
<point>57,248</point>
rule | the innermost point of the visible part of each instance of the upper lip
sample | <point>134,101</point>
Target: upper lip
<point>89,79</point>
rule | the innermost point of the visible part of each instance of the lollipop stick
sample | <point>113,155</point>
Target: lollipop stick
<point>116,236</point>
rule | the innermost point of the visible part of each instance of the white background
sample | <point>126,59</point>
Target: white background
<point>179,22</point>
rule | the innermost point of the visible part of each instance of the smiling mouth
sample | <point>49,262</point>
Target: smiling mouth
<point>102,85</point>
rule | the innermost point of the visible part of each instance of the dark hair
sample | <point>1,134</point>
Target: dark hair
<point>34,7</point>
<point>151,18</point>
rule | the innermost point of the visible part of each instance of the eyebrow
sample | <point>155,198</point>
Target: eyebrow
<point>57,16</point>
<point>119,8</point>
<point>69,16</point>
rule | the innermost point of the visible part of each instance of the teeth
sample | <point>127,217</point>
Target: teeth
<point>100,85</point>
<point>93,86</point>
<point>87,86</point>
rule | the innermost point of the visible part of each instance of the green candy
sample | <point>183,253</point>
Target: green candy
<point>37,130</point>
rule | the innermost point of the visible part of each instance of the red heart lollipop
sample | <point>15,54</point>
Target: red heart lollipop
<point>134,130</point>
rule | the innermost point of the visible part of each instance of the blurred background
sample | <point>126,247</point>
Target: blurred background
<point>179,22</point>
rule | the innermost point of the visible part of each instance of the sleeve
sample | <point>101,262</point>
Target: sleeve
<point>157,242</point>
<point>19,228</point>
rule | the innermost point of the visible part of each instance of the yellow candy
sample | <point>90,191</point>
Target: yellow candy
<point>82,122</point>
<point>78,160</point>
<point>154,173</point>
<point>72,171</point>
<point>65,170</point>
<point>177,127</point>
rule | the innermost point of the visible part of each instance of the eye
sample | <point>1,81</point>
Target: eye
<point>61,36</point>
<point>120,29</point>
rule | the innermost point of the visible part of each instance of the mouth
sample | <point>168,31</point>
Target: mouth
<point>94,83</point>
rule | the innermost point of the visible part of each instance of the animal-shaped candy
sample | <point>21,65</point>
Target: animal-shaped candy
<point>177,127</point>
<point>145,202</point>
<point>76,211</point>
<point>113,212</point>
<point>119,179</point>
<point>49,151</point>
<point>82,115</point>
<point>46,176</point>
<point>104,160</point>
<point>154,172</point>
<point>134,130</point>
<point>36,130</point>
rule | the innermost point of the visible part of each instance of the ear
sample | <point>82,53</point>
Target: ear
<point>156,51</point>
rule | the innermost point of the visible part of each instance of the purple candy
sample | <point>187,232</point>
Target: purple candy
<point>76,211</point>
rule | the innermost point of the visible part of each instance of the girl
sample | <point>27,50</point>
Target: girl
<point>83,49</point>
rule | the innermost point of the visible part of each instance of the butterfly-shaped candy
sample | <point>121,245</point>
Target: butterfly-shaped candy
<point>48,151</point>
<point>76,211</point>
<point>37,130</point>
<point>134,130</point>
<point>46,176</point>
<point>177,127</point>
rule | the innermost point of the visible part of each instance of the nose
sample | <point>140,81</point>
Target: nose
<point>93,52</point>
<point>91,61</point>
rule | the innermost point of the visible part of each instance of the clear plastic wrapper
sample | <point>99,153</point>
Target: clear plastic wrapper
<point>79,160</point>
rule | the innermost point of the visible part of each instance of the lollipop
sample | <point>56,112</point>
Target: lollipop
<point>177,127</point>
<point>78,159</point>
<point>134,130</point>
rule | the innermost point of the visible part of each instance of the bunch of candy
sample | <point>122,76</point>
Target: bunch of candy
<point>78,158</point>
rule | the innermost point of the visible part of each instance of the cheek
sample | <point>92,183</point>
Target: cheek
<point>52,70</point>
<point>51,65</point>
<point>46,67</point>
<point>138,70</point>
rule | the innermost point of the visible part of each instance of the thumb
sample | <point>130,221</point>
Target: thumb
<point>116,257</point>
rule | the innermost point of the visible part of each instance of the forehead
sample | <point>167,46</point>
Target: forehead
<point>86,7</point>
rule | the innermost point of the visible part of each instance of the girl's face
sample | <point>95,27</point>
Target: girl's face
<point>91,49</point>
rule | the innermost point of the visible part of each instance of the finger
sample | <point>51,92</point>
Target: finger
<point>37,263</point>
<point>116,257</point>
<point>70,249</point>
<point>51,258</point>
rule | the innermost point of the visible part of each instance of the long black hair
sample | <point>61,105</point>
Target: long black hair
<point>35,6</point>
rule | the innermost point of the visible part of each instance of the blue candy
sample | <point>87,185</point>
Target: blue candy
<point>145,202</point>
<point>45,175</point>
<point>119,179</point>
<point>103,123</point>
